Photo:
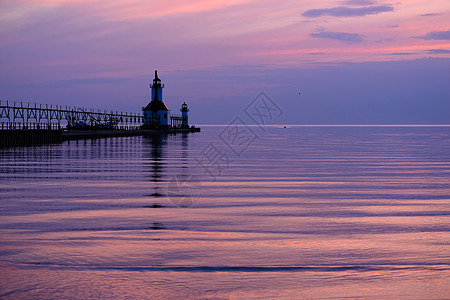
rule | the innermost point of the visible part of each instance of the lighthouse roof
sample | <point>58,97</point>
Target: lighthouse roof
<point>156,105</point>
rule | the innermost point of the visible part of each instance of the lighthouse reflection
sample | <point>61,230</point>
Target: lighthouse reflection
<point>184,154</point>
<point>155,154</point>
<point>159,168</point>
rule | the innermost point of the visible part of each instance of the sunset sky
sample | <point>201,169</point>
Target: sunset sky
<point>354,62</point>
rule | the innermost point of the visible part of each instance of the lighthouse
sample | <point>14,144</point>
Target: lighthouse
<point>156,113</point>
<point>184,115</point>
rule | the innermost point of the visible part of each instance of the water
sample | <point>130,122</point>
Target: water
<point>301,212</point>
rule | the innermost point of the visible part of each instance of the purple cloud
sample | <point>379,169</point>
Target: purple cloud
<point>439,51</point>
<point>344,11</point>
<point>430,15</point>
<point>435,35</point>
<point>339,36</point>
<point>400,53</point>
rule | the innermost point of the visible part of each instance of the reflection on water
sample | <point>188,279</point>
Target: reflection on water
<point>154,153</point>
<point>305,212</point>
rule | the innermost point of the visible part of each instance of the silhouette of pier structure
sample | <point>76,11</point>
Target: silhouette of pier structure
<point>27,116</point>
<point>25,124</point>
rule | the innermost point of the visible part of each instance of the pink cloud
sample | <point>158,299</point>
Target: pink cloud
<point>138,35</point>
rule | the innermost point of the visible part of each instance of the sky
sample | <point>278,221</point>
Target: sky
<point>320,61</point>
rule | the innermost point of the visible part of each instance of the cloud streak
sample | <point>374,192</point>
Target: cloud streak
<point>430,15</point>
<point>435,35</point>
<point>400,53</point>
<point>339,36</point>
<point>439,51</point>
<point>345,11</point>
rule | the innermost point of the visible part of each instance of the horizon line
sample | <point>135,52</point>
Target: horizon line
<point>332,125</point>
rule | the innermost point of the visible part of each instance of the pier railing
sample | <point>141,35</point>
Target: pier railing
<point>27,116</point>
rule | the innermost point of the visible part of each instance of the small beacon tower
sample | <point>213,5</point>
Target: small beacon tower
<point>184,115</point>
<point>156,113</point>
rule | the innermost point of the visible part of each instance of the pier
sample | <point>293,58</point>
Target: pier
<point>24,124</point>
<point>54,117</point>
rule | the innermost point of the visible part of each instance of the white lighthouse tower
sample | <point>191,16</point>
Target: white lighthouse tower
<point>156,113</point>
<point>184,115</point>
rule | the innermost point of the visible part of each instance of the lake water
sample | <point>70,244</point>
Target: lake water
<point>287,213</point>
